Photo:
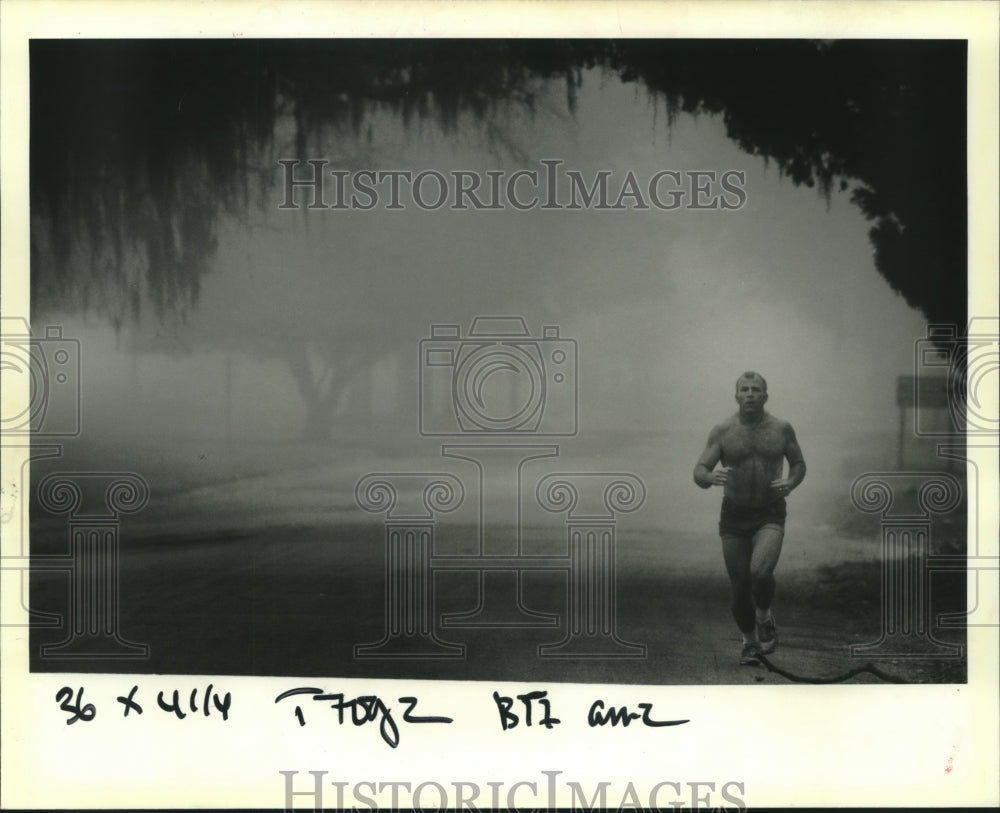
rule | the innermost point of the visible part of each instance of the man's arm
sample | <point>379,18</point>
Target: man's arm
<point>796,463</point>
<point>704,475</point>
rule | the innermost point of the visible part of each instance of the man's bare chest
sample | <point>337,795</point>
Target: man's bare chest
<point>741,443</point>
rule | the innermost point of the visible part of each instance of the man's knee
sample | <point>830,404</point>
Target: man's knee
<point>742,588</point>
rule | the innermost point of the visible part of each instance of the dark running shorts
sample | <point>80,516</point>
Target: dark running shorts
<point>738,520</point>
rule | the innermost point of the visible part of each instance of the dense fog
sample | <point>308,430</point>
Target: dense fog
<point>310,338</point>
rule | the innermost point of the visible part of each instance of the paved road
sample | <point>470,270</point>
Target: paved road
<point>295,601</point>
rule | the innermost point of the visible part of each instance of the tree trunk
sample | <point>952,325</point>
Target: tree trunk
<point>319,420</point>
<point>321,399</point>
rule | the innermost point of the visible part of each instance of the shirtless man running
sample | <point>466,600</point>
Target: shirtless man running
<point>752,446</point>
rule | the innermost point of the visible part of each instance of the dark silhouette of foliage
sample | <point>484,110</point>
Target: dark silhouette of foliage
<point>139,147</point>
<point>886,118</point>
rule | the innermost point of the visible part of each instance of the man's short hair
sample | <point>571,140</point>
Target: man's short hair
<point>753,375</point>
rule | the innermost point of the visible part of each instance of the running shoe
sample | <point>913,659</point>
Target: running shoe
<point>749,655</point>
<point>767,636</point>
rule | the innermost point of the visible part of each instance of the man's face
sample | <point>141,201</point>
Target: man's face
<point>750,395</point>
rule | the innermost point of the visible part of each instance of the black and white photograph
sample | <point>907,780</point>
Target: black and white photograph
<point>420,412</point>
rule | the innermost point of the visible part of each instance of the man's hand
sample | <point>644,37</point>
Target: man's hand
<point>783,486</point>
<point>720,476</point>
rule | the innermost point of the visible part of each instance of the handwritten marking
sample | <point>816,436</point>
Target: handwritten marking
<point>130,703</point>
<point>363,709</point>
<point>622,716</point>
<point>79,711</point>
<point>510,720</point>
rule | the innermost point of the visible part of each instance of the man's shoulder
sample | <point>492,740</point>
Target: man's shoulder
<point>779,424</point>
<point>725,425</point>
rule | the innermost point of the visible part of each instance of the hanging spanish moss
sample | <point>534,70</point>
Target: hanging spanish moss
<point>139,148</point>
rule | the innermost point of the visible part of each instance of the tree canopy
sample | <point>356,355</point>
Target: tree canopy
<point>139,148</point>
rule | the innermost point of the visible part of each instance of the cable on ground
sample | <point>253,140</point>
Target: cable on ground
<point>868,667</point>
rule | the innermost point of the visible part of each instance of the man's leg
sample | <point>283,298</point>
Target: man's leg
<point>766,548</point>
<point>736,550</point>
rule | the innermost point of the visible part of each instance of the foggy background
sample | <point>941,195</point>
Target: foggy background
<point>667,308</point>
